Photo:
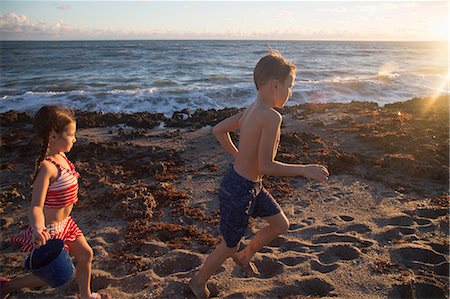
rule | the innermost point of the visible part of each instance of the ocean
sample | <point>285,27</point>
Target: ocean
<point>166,76</point>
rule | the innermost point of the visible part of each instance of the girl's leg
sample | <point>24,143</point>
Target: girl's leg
<point>278,224</point>
<point>212,264</point>
<point>83,254</point>
<point>28,281</point>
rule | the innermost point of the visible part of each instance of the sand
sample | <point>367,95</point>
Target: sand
<point>148,203</point>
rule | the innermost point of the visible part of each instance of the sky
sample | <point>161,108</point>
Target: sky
<point>268,20</point>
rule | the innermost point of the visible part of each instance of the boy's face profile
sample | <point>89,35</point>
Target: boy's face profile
<point>284,91</point>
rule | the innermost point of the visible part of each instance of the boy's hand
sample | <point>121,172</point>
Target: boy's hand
<point>316,172</point>
<point>40,237</point>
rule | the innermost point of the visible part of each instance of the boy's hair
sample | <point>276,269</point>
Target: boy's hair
<point>272,66</point>
<point>47,119</point>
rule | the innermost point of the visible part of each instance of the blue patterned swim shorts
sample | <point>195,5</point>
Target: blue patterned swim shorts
<point>239,199</point>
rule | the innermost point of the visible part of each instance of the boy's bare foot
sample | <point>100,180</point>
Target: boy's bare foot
<point>200,290</point>
<point>248,268</point>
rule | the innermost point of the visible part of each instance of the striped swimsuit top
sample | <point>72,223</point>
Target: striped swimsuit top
<point>63,191</point>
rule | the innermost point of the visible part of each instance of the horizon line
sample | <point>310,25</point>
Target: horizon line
<point>213,39</point>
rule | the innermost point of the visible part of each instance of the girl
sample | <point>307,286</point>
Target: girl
<point>55,191</point>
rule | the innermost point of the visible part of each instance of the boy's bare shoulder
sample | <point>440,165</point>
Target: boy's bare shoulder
<point>270,115</point>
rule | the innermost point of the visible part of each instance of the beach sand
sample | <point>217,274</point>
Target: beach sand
<point>148,203</point>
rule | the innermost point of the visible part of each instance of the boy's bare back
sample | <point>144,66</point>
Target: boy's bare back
<point>255,123</point>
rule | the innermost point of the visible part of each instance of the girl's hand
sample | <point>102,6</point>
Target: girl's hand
<point>40,237</point>
<point>316,172</point>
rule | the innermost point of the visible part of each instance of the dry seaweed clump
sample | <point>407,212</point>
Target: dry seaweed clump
<point>133,202</point>
<point>174,235</point>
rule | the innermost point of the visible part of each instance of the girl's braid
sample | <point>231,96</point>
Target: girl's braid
<point>42,154</point>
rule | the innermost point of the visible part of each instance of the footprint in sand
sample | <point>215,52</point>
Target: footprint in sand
<point>294,246</point>
<point>416,257</point>
<point>300,247</point>
<point>302,288</point>
<point>399,220</point>
<point>339,252</point>
<point>294,260</point>
<point>313,286</point>
<point>151,249</point>
<point>441,248</point>
<point>397,227</point>
<point>268,266</point>
<point>342,238</point>
<point>135,283</point>
<point>277,242</point>
<point>330,199</point>
<point>417,290</point>
<point>176,289</point>
<point>309,220</point>
<point>266,249</point>
<point>340,195</point>
<point>308,232</point>
<point>432,213</point>
<point>424,217</point>
<point>395,233</point>
<point>422,221</point>
<point>295,226</point>
<point>357,227</point>
<point>110,238</point>
<point>323,268</point>
<point>175,262</point>
<point>101,279</point>
<point>346,218</point>
<point>427,228</point>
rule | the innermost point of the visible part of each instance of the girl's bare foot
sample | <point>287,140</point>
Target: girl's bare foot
<point>4,292</point>
<point>200,290</point>
<point>248,268</point>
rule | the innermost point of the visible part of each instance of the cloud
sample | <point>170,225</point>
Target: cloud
<point>12,22</point>
<point>15,26</point>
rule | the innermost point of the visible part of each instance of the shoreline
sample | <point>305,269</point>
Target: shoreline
<point>148,201</point>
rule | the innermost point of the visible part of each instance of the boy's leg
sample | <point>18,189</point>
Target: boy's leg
<point>278,224</point>
<point>28,281</point>
<point>83,254</point>
<point>212,264</point>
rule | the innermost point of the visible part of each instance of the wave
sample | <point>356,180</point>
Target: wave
<point>167,100</point>
<point>380,77</point>
<point>153,99</point>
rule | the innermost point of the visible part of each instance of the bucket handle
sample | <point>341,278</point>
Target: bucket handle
<point>31,259</point>
<point>34,242</point>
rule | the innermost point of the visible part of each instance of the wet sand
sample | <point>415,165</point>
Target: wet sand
<point>148,202</point>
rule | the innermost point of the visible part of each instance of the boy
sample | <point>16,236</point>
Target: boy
<point>241,192</point>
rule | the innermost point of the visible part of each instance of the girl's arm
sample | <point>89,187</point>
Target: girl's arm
<point>222,133</point>
<point>36,212</point>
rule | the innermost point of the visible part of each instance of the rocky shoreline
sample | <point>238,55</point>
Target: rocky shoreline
<point>148,201</point>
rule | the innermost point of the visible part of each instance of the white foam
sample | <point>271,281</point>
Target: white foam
<point>381,88</point>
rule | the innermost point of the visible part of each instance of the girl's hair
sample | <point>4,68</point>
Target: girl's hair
<point>272,66</point>
<point>50,119</point>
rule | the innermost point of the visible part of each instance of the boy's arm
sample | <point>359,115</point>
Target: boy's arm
<point>268,149</point>
<point>221,132</point>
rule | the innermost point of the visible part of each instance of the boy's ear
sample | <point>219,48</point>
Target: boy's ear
<point>274,84</point>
